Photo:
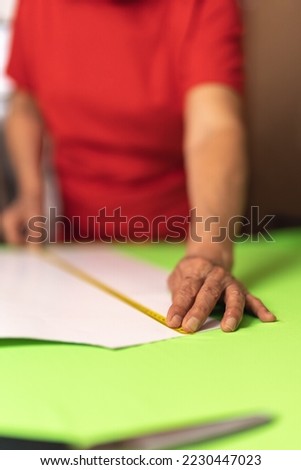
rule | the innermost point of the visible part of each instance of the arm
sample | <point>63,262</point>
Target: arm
<point>214,151</point>
<point>23,131</point>
<point>216,166</point>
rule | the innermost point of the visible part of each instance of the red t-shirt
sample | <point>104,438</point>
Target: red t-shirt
<point>109,77</point>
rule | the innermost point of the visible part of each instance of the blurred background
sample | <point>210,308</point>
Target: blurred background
<point>6,182</point>
<point>273,63</point>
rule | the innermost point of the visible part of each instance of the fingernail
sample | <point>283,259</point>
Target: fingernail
<point>175,321</point>
<point>230,324</point>
<point>192,324</point>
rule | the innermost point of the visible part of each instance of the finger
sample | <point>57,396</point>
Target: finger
<point>205,301</point>
<point>12,230</point>
<point>183,299</point>
<point>259,309</point>
<point>235,304</point>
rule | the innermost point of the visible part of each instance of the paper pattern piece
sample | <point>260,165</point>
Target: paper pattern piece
<point>39,300</point>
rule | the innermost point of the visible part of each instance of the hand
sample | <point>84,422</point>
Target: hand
<point>197,284</point>
<point>14,220</point>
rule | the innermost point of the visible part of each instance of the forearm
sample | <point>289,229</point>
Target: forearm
<point>217,180</point>
<point>23,132</point>
<point>216,168</point>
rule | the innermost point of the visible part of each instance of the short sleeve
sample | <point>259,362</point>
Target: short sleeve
<point>212,50</point>
<point>19,66</point>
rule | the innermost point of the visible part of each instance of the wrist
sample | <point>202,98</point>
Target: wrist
<point>218,253</point>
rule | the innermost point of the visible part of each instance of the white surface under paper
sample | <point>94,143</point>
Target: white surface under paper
<point>39,300</point>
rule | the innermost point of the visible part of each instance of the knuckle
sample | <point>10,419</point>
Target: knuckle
<point>234,312</point>
<point>190,279</point>
<point>212,290</point>
<point>237,293</point>
<point>183,295</point>
<point>184,263</point>
<point>219,271</point>
<point>200,308</point>
<point>187,291</point>
<point>236,290</point>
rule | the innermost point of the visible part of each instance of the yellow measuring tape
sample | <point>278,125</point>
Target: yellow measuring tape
<point>71,269</point>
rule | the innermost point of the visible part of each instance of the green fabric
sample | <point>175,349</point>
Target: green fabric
<point>84,395</point>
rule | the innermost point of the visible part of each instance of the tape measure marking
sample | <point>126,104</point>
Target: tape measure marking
<point>71,269</point>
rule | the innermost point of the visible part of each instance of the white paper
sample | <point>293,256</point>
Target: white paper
<point>39,300</point>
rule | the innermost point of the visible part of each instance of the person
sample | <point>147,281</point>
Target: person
<point>143,103</point>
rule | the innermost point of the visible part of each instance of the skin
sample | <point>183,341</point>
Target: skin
<point>24,134</point>
<point>216,168</point>
<point>215,161</point>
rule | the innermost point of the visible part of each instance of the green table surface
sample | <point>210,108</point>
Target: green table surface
<point>85,395</point>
